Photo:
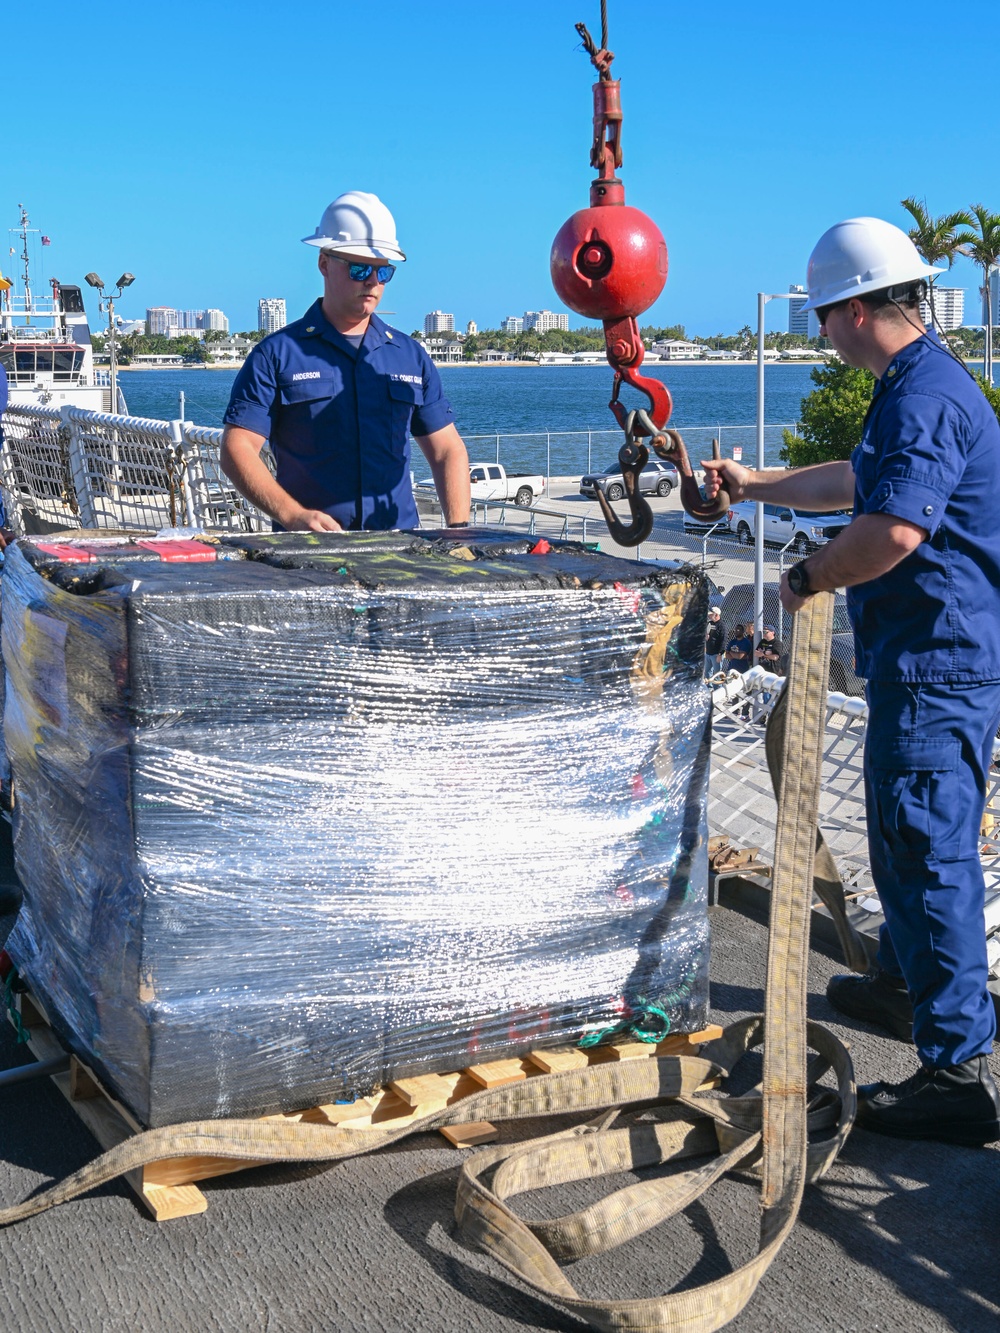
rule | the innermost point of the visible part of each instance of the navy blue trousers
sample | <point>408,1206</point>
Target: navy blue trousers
<point>928,750</point>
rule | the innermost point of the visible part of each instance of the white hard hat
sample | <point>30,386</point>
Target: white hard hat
<point>360,224</point>
<point>859,256</point>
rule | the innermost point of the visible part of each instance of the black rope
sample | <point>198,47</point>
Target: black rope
<point>604,24</point>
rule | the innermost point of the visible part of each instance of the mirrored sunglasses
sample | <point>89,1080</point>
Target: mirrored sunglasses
<point>362,272</point>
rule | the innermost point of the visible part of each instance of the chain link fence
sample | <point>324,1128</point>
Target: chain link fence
<point>573,453</point>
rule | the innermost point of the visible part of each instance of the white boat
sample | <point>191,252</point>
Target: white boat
<point>45,345</point>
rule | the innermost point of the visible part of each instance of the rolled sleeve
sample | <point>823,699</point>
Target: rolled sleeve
<point>254,394</point>
<point>922,463</point>
<point>435,412</point>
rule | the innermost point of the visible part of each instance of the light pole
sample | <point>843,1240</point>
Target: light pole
<point>126,280</point>
<point>758,557</point>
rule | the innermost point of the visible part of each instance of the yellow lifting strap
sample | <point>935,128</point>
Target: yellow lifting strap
<point>789,1129</point>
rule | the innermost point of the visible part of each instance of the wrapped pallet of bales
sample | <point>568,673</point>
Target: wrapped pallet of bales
<point>342,808</point>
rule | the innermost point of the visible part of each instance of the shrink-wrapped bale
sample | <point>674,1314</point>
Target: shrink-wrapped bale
<point>350,809</point>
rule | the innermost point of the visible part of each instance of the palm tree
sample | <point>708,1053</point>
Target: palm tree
<point>982,246</point>
<point>936,239</point>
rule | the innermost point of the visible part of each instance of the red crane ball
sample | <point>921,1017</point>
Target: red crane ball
<point>609,261</point>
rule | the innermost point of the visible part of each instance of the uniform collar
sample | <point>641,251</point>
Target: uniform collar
<point>318,326</point>
<point>905,358</point>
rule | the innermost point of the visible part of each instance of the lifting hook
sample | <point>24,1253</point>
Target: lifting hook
<point>633,457</point>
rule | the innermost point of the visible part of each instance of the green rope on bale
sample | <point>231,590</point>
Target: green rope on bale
<point>635,1026</point>
<point>9,986</point>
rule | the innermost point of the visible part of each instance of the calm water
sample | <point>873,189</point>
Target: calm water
<point>568,401</point>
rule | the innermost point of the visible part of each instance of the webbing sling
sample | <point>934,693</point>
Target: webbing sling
<point>768,1129</point>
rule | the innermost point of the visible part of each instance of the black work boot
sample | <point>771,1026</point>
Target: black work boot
<point>958,1104</point>
<point>877,997</point>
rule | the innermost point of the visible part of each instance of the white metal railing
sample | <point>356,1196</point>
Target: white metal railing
<point>70,468</point>
<point>741,801</point>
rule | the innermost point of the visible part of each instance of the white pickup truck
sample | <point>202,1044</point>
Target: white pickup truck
<point>803,529</point>
<point>490,481</point>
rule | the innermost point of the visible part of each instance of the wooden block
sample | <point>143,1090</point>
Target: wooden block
<point>631,1050</point>
<point>167,1201</point>
<point>423,1088</point>
<point>175,1172</point>
<point>331,1113</point>
<point>687,1043</point>
<point>498,1073</point>
<point>559,1058</point>
<point>706,1034</point>
<point>472,1134</point>
<point>32,1013</point>
<point>82,1084</point>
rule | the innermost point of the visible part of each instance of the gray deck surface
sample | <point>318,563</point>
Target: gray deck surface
<point>898,1236</point>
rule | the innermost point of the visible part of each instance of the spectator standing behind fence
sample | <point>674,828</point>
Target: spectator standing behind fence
<point>770,650</point>
<point>739,649</point>
<point>715,640</point>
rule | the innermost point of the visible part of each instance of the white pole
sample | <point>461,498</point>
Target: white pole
<point>758,558</point>
<point>114,359</point>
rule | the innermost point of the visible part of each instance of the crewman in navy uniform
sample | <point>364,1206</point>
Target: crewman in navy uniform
<point>337,393</point>
<point>921,565</point>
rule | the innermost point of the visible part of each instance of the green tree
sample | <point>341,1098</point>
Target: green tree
<point>938,240</point>
<point>982,246</point>
<point>832,416</point>
<point>992,393</point>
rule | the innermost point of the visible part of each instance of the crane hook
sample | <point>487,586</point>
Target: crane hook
<point>694,502</point>
<point>632,458</point>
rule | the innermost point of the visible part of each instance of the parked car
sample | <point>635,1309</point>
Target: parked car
<point>491,481</point>
<point>737,608</point>
<point>718,527</point>
<point>656,478</point>
<point>804,528</point>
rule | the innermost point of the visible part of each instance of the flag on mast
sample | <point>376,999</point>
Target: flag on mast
<point>46,241</point>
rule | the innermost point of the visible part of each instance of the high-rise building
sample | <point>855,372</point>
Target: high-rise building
<point>213,319</point>
<point>798,319</point>
<point>994,296</point>
<point>543,320</point>
<point>949,306</point>
<point>271,313</point>
<point>439,322</point>
<point>512,324</point>
<point>159,318</point>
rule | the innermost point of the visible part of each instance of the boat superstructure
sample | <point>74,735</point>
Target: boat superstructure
<point>45,345</point>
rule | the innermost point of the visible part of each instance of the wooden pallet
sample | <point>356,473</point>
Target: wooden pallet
<point>168,1188</point>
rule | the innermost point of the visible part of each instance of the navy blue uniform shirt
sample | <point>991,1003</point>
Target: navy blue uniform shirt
<point>338,417</point>
<point>930,453</point>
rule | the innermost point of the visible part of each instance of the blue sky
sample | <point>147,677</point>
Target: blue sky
<point>195,143</point>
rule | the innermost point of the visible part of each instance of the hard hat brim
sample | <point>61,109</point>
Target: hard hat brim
<point>844,293</point>
<point>377,250</point>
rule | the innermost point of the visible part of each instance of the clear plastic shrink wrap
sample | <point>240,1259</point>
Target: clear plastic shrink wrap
<point>352,807</point>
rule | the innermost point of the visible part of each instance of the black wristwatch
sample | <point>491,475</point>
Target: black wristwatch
<point>798,580</point>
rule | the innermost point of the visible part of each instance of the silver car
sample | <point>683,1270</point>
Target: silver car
<point>656,478</point>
